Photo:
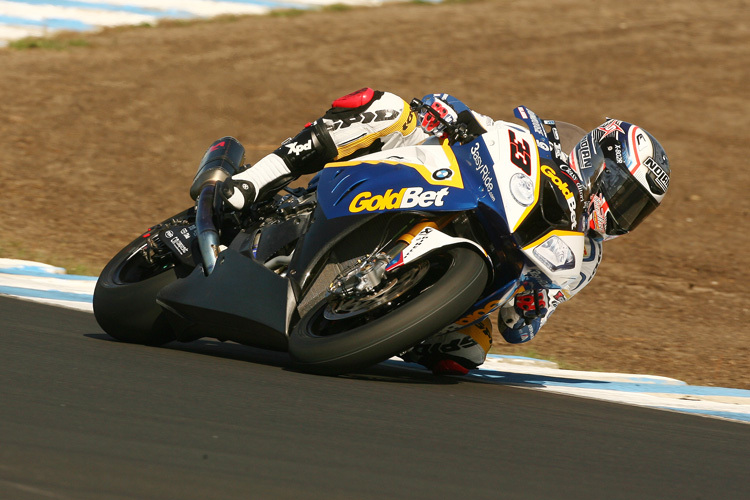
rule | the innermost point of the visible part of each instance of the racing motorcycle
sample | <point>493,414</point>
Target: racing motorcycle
<point>368,260</point>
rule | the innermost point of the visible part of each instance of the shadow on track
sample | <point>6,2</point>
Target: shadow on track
<point>388,371</point>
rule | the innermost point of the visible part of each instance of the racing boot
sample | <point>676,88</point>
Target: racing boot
<point>305,153</point>
<point>454,353</point>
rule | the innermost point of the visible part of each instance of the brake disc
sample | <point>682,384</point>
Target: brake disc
<point>347,306</point>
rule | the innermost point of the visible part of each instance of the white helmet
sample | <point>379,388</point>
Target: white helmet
<point>627,174</point>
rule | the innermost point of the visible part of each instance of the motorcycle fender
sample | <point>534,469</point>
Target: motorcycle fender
<point>429,240</point>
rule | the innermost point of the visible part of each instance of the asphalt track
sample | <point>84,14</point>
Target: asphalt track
<point>83,416</point>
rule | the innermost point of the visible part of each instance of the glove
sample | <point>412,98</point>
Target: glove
<point>236,194</point>
<point>531,304</point>
<point>430,124</point>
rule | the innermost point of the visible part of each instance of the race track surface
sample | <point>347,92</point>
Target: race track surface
<point>84,416</point>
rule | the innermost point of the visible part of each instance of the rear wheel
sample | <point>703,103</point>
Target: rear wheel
<point>342,334</point>
<point>125,294</point>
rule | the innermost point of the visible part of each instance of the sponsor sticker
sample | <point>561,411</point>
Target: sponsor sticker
<point>410,197</point>
<point>442,174</point>
<point>564,189</point>
<point>296,149</point>
<point>609,127</point>
<point>660,176</point>
<point>483,169</point>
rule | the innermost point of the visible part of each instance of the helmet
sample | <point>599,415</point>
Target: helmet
<point>626,172</point>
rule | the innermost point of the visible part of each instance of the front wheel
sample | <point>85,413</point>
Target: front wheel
<point>444,287</point>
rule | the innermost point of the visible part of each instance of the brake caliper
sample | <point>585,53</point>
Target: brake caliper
<point>363,279</point>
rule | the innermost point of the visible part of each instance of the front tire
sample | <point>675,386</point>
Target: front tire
<point>125,294</point>
<point>339,346</point>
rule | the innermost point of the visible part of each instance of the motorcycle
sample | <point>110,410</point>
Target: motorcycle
<point>372,257</point>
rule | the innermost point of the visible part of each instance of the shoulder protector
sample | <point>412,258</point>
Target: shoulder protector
<point>355,99</point>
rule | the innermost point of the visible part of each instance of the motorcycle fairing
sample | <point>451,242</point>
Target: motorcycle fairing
<point>437,166</point>
<point>428,240</point>
<point>198,303</point>
<point>508,176</point>
<point>515,167</point>
<point>536,127</point>
<point>429,177</point>
<point>558,254</point>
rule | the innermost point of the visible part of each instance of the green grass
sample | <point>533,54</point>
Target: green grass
<point>336,7</point>
<point>51,43</point>
<point>68,40</point>
<point>287,12</point>
<point>14,250</point>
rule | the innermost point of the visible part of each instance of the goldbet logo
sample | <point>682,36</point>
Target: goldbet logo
<point>404,198</point>
<point>549,172</point>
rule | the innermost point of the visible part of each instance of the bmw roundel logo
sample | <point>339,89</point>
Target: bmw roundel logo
<point>442,174</point>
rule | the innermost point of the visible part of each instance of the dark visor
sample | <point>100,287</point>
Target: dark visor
<point>629,201</point>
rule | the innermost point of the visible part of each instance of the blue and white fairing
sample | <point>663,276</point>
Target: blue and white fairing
<point>424,177</point>
<point>501,173</point>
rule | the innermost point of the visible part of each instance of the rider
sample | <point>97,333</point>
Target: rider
<point>622,168</point>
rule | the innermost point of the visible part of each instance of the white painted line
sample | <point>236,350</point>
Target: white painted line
<point>197,7</point>
<point>46,284</point>
<point>686,403</point>
<point>650,391</point>
<point>65,304</point>
<point>42,13</point>
<point>16,32</point>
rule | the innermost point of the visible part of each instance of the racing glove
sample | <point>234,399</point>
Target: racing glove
<point>427,117</point>
<point>531,304</point>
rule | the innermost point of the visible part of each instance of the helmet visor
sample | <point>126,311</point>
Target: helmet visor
<point>629,201</point>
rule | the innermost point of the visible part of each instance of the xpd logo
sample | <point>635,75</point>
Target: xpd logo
<point>484,310</point>
<point>299,148</point>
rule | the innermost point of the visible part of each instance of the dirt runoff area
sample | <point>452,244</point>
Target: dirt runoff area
<point>101,140</point>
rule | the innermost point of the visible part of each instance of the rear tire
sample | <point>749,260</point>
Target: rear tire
<point>331,347</point>
<point>125,296</point>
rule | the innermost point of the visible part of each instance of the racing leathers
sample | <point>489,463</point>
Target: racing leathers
<point>369,121</point>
